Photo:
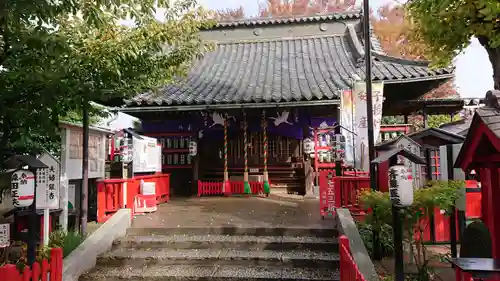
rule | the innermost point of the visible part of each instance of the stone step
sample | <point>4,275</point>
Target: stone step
<point>237,231</point>
<point>209,273</point>
<point>138,258</point>
<point>229,242</point>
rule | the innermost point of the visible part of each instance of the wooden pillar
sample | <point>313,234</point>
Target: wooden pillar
<point>247,189</point>
<point>226,186</point>
<point>267,187</point>
<point>495,211</point>
<point>489,208</point>
<point>405,118</point>
<point>307,163</point>
<point>426,119</point>
<point>428,175</point>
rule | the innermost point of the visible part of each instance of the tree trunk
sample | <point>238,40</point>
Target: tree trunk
<point>494,56</point>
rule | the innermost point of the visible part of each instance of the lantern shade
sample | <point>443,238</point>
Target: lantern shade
<point>308,146</point>
<point>401,186</point>
<point>193,148</point>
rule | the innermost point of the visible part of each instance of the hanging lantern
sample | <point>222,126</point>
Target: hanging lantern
<point>308,146</point>
<point>193,148</point>
<point>401,187</point>
<point>126,150</point>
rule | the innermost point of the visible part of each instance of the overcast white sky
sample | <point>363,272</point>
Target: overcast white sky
<point>473,73</point>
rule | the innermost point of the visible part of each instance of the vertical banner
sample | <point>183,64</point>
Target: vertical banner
<point>361,124</point>
<point>347,123</point>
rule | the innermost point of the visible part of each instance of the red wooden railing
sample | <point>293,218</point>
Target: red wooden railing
<point>46,270</point>
<point>211,188</point>
<point>114,194</point>
<point>348,269</point>
<point>346,192</point>
<point>162,185</point>
<point>110,198</point>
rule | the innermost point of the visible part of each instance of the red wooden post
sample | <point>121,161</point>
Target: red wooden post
<point>56,264</point>
<point>132,191</point>
<point>101,201</point>
<point>344,258</point>
<point>44,269</point>
<point>10,272</point>
<point>26,275</point>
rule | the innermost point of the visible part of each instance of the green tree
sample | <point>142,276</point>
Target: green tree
<point>446,27</point>
<point>54,55</point>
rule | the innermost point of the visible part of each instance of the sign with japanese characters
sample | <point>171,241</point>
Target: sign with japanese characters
<point>400,186</point>
<point>414,170</point>
<point>48,183</point>
<point>327,192</point>
<point>4,235</point>
<point>361,121</point>
<point>22,188</point>
<point>347,122</point>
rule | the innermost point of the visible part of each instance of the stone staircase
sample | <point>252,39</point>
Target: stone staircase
<point>220,253</point>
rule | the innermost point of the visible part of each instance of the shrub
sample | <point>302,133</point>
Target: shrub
<point>68,241</point>
<point>435,195</point>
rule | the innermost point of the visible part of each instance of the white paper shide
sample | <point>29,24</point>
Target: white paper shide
<point>400,186</point>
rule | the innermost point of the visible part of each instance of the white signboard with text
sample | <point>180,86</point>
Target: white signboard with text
<point>22,188</point>
<point>361,123</point>
<point>145,155</point>
<point>48,183</point>
<point>4,235</point>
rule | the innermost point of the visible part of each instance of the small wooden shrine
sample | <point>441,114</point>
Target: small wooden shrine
<point>481,152</point>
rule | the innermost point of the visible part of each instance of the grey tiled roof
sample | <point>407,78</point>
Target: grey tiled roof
<point>315,68</point>
<point>354,14</point>
<point>491,118</point>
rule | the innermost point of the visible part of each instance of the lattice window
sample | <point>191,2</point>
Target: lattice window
<point>435,164</point>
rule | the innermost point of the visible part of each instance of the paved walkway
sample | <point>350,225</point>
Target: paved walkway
<point>235,212</point>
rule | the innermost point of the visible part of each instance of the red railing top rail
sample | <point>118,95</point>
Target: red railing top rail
<point>348,269</point>
<point>112,180</point>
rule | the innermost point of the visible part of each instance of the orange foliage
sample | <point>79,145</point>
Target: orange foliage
<point>228,14</point>
<point>287,8</point>
<point>393,30</point>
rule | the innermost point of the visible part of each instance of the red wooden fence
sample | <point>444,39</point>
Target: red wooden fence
<point>114,194</point>
<point>213,188</point>
<point>209,188</point>
<point>346,192</point>
<point>348,269</point>
<point>46,270</point>
<point>348,188</point>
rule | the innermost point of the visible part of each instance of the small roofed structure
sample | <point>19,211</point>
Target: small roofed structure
<point>403,141</point>
<point>481,152</point>
<point>19,161</point>
<point>398,151</point>
<point>435,137</point>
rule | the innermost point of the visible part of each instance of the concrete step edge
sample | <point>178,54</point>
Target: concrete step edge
<point>225,239</point>
<point>209,254</point>
<point>237,231</point>
<point>187,272</point>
